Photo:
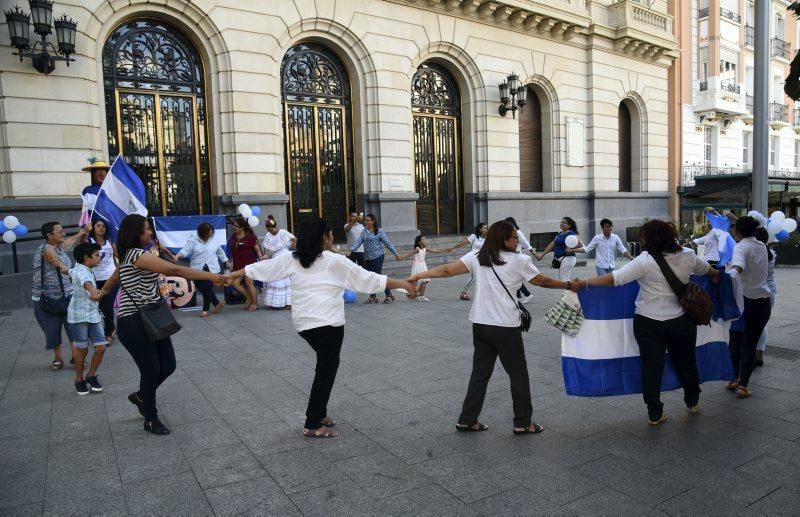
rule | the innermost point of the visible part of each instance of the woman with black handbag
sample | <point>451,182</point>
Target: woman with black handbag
<point>52,286</point>
<point>497,318</point>
<point>140,297</point>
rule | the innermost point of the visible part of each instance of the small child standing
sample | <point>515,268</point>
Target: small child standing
<point>419,265</point>
<point>84,317</point>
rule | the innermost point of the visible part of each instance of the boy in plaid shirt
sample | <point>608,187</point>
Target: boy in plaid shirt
<point>84,317</point>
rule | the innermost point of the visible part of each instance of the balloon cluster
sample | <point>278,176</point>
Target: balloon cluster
<point>778,225</point>
<point>11,228</point>
<point>250,213</point>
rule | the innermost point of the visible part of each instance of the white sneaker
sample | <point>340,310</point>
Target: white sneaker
<point>423,299</point>
<point>526,299</point>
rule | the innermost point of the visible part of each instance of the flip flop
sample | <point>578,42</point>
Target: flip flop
<point>56,365</point>
<point>330,423</point>
<point>536,429</point>
<point>319,433</point>
<point>474,428</point>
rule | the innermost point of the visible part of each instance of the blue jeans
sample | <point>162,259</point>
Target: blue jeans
<point>376,266</point>
<point>603,270</point>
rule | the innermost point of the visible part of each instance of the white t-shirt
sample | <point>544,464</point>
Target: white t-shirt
<point>710,241</point>
<point>107,266</point>
<point>656,299</point>
<point>475,242</point>
<point>317,291</point>
<point>750,254</point>
<point>492,305</point>
<point>353,234</point>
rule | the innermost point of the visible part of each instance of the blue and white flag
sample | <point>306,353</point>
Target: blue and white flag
<point>122,193</point>
<point>173,232</point>
<point>721,225</point>
<point>603,358</point>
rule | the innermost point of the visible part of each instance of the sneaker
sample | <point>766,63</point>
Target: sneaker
<point>659,419</point>
<point>694,409</point>
<point>526,299</point>
<point>94,383</point>
<point>81,387</point>
<point>423,299</point>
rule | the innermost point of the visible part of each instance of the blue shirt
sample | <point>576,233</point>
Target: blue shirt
<point>561,245</point>
<point>373,244</point>
<point>203,253</point>
<point>81,307</point>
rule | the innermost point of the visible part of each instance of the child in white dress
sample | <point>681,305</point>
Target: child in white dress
<point>419,265</point>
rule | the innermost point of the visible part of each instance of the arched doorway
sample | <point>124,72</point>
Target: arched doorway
<point>156,114</point>
<point>531,156</point>
<point>625,148</point>
<point>315,91</point>
<point>435,103</point>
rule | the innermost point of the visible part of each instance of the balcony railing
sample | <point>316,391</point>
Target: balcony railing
<point>748,100</point>
<point>749,36</point>
<point>779,48</point>
<point>725,13</point>
<point>703,13</point>
<point>703,86</point>
<point>730,86</point>
<point>778,112</point>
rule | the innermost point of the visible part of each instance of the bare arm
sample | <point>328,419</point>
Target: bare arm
<point>72,241</point>
<point>460,244</point>
<point>94,293</point>
<point>545,281</point>
<point>436,250</point>
<point>453,268</point>
<point>160,266</point>
<point>547,250</point>
<point>52,259</point>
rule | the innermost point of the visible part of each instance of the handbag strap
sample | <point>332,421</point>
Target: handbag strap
<point>672,280</point>
<point>58,274</point>
<point>504,287</point>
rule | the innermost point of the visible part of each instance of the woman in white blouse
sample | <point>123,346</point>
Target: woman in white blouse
<point>319,278</point>
<point>278,242</point>
<point>660,324</point>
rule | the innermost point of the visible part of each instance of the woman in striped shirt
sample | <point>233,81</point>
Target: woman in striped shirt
<point>138,277</point>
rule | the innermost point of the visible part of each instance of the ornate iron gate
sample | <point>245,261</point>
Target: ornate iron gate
<point>155,114</point>
<point>437,157</point>
<point>316,122</point>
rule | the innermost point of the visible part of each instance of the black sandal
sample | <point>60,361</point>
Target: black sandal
<point>474,428</point>
<point>536,429</point>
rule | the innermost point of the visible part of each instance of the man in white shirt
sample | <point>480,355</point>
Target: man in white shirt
<point>353,230</point>
<point>607,245</point>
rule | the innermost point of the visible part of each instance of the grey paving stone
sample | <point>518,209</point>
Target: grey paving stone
<point>177,494</point>
<point>25,421</point>
<point>414,447</point>
<point>780,502</point>
<point>395,400</point>
<point>516,501</point>
<point>474,485</point>
<point>342,498</point>
<point>207,434</point>
<point>24,450</point>
<point>22,485</point>
<point>555,483</point>
<point>96,492</point>
<point>73,458</point>
<point>701,502</point>
<point>381,475</point>
<point>26,510</point>
<point>223,465</point>
<point>300,469</point>
<point>608,502</point>
<point>265,436</point>
<point>431,500</point>
<point>153,460</point>
<point>259,496</point>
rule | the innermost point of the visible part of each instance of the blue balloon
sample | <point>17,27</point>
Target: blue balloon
<point>256,211</point>
<point>21,230</point>
<point>781,236</point>
<point>349,296</point>
<point>3,228</point>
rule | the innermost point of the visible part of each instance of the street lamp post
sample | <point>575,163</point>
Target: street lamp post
<point>760,174</point>
<point>43,53</point>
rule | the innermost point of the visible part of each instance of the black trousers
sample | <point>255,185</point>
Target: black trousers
<point>327,343</point>
<point>206,288</point>
<point>742,345</point>
<point>357,257</point>
<point>107,308</point>
<point>376,266</point>
<point>490,342</point>
<point>655,338</point>
<point>155,360</point>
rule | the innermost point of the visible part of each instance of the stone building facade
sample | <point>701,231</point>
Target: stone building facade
<point>322,107</point>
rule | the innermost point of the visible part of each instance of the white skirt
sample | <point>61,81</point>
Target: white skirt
<point>278,294</point>
<point>419,266</point>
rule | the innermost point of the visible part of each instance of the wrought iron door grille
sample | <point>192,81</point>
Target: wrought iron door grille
<point>156,114</point>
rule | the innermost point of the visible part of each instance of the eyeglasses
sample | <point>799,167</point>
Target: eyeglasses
<point>515,237</point>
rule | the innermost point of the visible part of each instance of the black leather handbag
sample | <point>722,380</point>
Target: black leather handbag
<point>157,319</point>
<point>524,316</point>
<point>556,263</point>
<point>57,306</point>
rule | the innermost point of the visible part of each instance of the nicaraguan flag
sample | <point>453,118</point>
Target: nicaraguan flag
<point>721,226</point>
<point>174,231</point>
<point>603,359</point>
<point>121,194</point>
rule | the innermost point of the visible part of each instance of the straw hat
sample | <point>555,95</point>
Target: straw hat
<point>94,164</point>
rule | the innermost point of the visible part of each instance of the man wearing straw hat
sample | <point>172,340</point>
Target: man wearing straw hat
<point>99,169</point>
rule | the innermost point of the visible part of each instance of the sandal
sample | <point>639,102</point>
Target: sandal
<point>464,296</point>
<point>218,308</point>
<point>56,365</point>
<point>742,392</point>
<point>536,429</point>
<point>328,422</point>
<point>474,428</point>
<point>371,299</point>
<point>732,385</point>
<point>388,299</point>
<point>322,432</point>
<point>204,314</point>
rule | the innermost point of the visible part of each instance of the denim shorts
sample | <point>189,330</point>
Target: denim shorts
<point>83,332</point>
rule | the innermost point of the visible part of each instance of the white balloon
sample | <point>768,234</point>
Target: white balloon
<point>245,210</point>
<point>777,216</point>
<point>252,221</point>
<point>774,227</point>
<point>571,241</point>
<point>10,222</point>
<point>789,225</point>
<point>9,236</point>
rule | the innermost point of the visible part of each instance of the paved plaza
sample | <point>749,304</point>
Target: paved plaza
<point>236,408</point>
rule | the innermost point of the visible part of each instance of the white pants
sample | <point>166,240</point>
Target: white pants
<point>567,265</point>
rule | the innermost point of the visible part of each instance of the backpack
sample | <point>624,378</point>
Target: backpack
<point>693,298</point>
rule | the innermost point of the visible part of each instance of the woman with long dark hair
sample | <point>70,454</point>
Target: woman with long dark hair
<point>319,278</point>
<point>499,271</point>
<point>660,324</point>
<point>243,250</point>
<point>751,262</point>
<point>564,256</point>
<point>475,241</point>
<point>108,264</point>
<point>205,255</point>
<point>374,239</point>
<point>138,279</point>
